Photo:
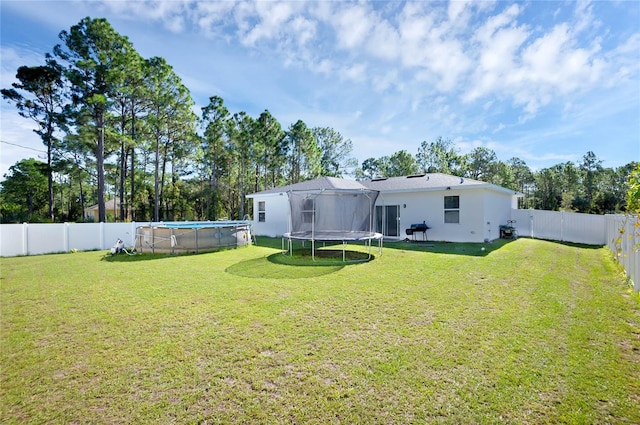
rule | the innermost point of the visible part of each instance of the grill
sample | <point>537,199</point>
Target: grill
<point>417,228</point>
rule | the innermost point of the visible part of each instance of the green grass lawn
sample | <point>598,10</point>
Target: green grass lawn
<point>526,331</point>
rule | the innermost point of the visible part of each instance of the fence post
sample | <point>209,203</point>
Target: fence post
<point>531,222</point>
<point>25,238</point>
<point>65,231</point>
<point>133,234</point>
<point>101,228</point>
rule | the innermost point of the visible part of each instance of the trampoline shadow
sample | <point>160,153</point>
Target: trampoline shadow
<point>274,267</point>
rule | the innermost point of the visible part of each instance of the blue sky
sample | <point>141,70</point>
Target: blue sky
<point>544,81</point>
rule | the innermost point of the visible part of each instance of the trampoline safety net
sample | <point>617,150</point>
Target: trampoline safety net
<point>338,211</point>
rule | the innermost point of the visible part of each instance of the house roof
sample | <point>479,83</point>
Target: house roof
<point>414,183</point>
<point>108,205</point>
<point>326,183</point>
<point>429,182</point>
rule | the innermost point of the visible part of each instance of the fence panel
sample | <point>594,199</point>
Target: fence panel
<point>584,228</point>
<point>12,240</point>
<point>84,236</point>
<point>560,226</point>
<point>124,231</point>
<point>548,225</point>
<point>623,239</point>
<point>46,238</point>
<point>523,221</point>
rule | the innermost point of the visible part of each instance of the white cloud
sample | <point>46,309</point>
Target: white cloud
<point>210,16</point>
<point>624,61</point>
<point>499,40</point>
<point>356,72</point>
<point>386,81</point>
<point>534,68</point>
<point>302,29</point>
<point>384,41</point>
<point>431,48</point>
<point>353,23</point>
<point>271,18</point>
<point>174,15</point>
<point>325,66</point>
<point>457,11</point>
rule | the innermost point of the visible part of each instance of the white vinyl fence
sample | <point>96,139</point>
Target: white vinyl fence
<point>623,240</point>
<point>560,226</point>
<point>586,229</point>
<point>33,239</point>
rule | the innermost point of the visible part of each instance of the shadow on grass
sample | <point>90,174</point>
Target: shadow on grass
<point>144,256</point>
<point>571,244</point>
<point>469,248</point>
<point>473,249</point>
<point>454,248</point>
<point>322,257</point>
<point>279,266</point>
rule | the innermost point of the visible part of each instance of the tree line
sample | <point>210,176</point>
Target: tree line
<point>114,123</point>
<point>117,125</point>
<point>585,186</point>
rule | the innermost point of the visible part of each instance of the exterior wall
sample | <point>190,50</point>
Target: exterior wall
<point>477,207</point>
<point>472,226</point>
<point>276,215</point>
<point>429,207</point>
<point>497,211</point>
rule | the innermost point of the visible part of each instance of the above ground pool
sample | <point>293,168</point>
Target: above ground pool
<point>180,238</point>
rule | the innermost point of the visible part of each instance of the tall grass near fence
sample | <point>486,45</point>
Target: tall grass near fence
<point>527,331</point>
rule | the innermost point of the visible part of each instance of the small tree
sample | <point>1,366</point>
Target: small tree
<point>23,193</point>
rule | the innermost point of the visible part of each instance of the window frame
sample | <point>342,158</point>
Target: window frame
<point>262,209</point>
<point>451,213</point>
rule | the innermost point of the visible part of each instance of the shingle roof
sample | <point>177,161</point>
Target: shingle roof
<point>415,183</point>
<point>317,184</point>
<point>420,182</point>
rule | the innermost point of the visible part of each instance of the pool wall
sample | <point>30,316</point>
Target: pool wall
<point>191,238</point>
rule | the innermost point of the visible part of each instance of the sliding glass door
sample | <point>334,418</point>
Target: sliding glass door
<point>387,220</point>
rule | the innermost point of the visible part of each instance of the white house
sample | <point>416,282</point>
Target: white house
<point>112,207</point>
<point>455,209</point>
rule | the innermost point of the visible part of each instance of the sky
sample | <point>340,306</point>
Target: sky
<point>543,81</point>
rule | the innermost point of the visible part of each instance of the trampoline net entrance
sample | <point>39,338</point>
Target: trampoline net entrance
<point>332,215</point>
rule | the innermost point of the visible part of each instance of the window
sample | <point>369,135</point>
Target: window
<point>261,211</point>
<point>452,209</point>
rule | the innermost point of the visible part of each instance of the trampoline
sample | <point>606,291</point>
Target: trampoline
<point>332,215</point>
<point>192,237</point>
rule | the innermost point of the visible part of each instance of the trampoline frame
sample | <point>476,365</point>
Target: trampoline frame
<point>367,237</point>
